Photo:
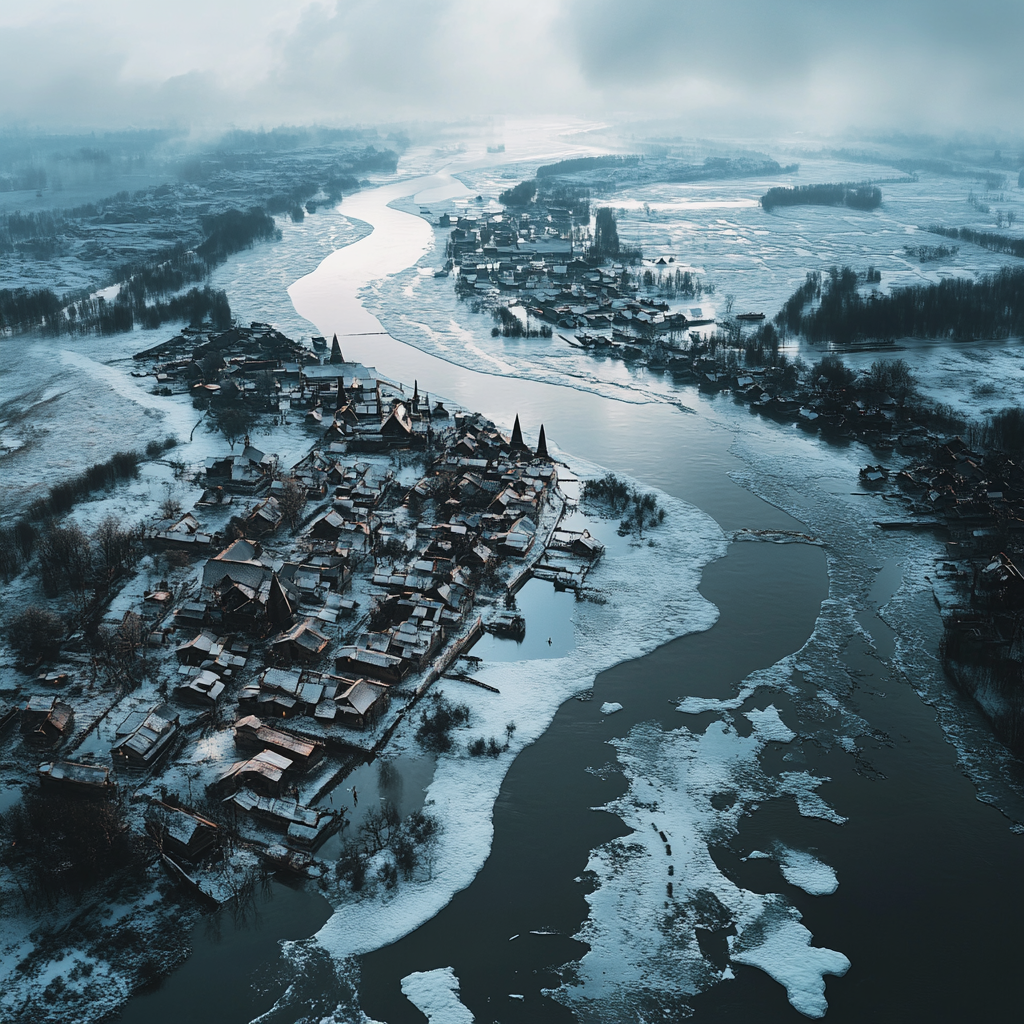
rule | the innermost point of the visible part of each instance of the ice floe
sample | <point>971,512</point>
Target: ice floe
<point>642,929</point>
<point>436,994</point>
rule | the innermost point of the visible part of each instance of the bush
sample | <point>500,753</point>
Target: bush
<point>479,747</point>
<point>609,490</point>
<point>35,632</point>
<point>642,508</point>
<point>434,733</point>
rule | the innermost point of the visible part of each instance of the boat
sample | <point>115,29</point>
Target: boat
<point>318,342</point>
<point>750,316</point>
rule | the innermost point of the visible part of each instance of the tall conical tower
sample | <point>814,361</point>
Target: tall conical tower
<point>542,446</point>
<point>336,356</point>
<point>415,396</point>
<point>516,444</point>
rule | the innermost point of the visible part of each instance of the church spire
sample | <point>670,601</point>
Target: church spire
<point>336,356</point>
<point>516,444</point>
<point>542,446</point>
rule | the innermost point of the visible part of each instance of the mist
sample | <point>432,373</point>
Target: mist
<point>736,66</point>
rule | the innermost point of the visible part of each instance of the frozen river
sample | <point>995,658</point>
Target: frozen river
<point>788,755</point>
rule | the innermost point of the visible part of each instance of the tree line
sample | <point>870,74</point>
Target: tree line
<point>859,197</point>
<point>225,233</point>
<point>585,163</point>
<point>986,239</point>
<point>991,307</point>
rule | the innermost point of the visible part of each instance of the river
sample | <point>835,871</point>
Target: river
<point>929,888</point>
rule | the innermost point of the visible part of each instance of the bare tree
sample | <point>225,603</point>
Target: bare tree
<point>65,560</point>
<point>124,645</point>
<point>291,500</point>
<point>116,548</point>
<point>170,507</point>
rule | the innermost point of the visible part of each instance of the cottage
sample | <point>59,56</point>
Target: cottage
<point>359,661</point>
<point>184,835</point>
<point>77,779</point>
<point>202,648</point>
<point>147,736</point>
<point>239,561</point>
<point>186,532</point>
<point>264,773</point>
<point>203,688</point>
<point>361,704</point>
<point>251,733</point>
<point>300,643</point>
<point>46,721</point>
<point>265,518</point>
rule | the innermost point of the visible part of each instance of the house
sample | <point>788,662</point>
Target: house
<point>265,518</point>
<point>240,562</point>
<point>520,537</point>
<point>251,733</point>
<point>264,773</point>
<point>77,779</point>
<point>203,688</point>
<point>397,425</point>
<point>46,721</point>
<point>247,473</point>
<point>361,704</point>
<point>201,648</point>
<point>328,527</point>
<point>300,643</point>
<point>183,834</point>
<point>144,736</point>
<point>359,661</point>
<point>187,532</point>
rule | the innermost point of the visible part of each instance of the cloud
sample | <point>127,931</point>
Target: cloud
<point>727,64</point>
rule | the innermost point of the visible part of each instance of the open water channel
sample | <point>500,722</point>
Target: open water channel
<point>799,729</point>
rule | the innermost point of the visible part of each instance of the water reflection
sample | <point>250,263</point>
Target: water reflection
<point>550,626</point>
<point>400,780</point>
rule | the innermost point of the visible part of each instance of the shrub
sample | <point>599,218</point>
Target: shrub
<point>434,732</point>
<point>35,632</point>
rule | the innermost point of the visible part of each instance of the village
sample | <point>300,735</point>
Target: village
<point>305,610</point>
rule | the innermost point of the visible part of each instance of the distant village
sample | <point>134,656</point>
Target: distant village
<point>311,608</point>
<point>541,270</point>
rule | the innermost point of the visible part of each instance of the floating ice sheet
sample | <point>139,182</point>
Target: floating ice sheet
<point>641,930</point>
<point>436,994</point>
<point>806,871</point>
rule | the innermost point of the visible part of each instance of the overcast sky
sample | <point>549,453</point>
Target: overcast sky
<point>735,65</point>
